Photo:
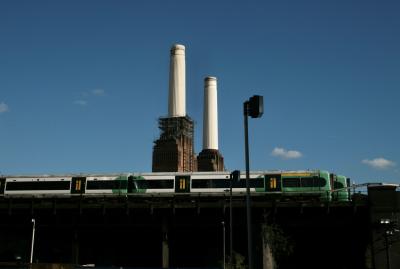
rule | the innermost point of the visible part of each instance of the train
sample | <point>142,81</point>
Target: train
<point>314,184</point>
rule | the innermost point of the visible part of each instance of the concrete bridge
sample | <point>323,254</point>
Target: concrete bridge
<point>186,231</point>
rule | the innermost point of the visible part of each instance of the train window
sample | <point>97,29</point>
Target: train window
<point>105,184</point>
<point>225,183</point>
<point>182,184</point>
<point>291,182</point>
<point>321,182</point>
<point>307,182</point>
<point>154,184</point>
<point>272,183</point>
<point>201,183</point>
<point>256,183</point>
<point>220,183</point>
<point>239,184</point>
<point>338,185</point>
<point>38,185</point>
<point>210,183</point>
<point>160,184</point>
<point>123,184</point>
<point>78,184</point>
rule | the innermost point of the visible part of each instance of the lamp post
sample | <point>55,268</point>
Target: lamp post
<point>223,241</point>
<point>230,225</point>
<point>386,223</point>
<point>254,108</point>
<point>390,228</point>
<point>33,240</point>
<point>234,177</point>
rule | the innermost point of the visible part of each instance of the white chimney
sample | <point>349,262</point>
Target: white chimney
<point>177,83</point>
<point>210,117</point>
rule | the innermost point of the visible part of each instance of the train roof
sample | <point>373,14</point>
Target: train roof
<point>64,175</point>
<point>156,173</point>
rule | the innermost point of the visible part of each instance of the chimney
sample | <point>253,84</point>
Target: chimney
<point>210,114</point>
<point>210,159</point>
<point>177,83</point>
<point>174,150</point>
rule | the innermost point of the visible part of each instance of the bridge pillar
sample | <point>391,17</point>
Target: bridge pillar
<point>165,245</point>
<point>268,258</point>
<point>75,248</point>
<point>384,204</point>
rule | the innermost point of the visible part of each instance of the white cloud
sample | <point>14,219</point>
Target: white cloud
<point>3,107</point>
<point>98,92</point>
<point>379,163</point>
<point>286,154</point>
<point>80,102</point>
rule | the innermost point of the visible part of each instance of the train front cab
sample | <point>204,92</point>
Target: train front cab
<point>339,183</point>
<point>306,185</point>
<point>324,186</point>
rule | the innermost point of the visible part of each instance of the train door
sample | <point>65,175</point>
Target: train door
<point>2,185</point>
<point>182,184</point>
<point>130,184</point>
<point>78,185</point>
<point>333,180</point>
<point>348,184</point>
<point>273,182</point>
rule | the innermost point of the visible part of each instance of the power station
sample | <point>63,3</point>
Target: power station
<point>177,218</point>
<point>174,150</point>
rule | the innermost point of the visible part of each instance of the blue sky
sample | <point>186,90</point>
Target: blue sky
<point>82,83</point>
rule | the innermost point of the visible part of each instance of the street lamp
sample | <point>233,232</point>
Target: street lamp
<point>390,228</point>
<point>385,224</point>
<point>33,240</point>
<point>254,108</point>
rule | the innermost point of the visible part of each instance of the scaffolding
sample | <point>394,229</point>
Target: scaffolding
<point>176,127</point>
<point>174,150</point>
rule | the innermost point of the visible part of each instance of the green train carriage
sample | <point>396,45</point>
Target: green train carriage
<point>300,184</point>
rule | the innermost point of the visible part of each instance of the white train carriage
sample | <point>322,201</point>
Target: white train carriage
<point>216,182</point>
<point>36,186</point>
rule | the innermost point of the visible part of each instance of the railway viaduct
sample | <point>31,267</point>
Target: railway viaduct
<point>184,231</point>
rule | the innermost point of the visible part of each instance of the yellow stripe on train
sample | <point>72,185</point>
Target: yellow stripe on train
<point>297,175</point>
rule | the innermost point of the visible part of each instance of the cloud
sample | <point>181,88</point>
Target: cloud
<point>379,163</point>
<point>89,95</point>
<point>286,154</point>
<point>80,102</point>
<point>98,92</point>
<point>3,107</point>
